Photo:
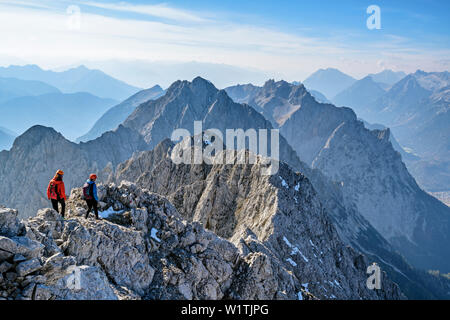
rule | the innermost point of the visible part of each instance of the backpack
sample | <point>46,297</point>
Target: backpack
<point>87,194</point>
<point>53,191</point>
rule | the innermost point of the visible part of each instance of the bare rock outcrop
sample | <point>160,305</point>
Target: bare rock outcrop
<point>278,215</point>
<point>145,249</point>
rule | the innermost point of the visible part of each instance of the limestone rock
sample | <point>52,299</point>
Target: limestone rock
<point>9,223</point>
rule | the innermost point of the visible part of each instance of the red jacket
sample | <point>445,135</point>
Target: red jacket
<point>60,190</point>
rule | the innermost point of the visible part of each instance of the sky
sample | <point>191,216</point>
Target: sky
<point>251,39</point>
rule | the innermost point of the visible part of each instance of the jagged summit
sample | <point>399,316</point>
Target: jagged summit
<point>276,100</point>
<point>186,102</point>
<point>198,86</point>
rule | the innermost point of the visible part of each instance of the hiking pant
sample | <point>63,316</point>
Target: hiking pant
<point>92,204</point>
<point>63,205</point>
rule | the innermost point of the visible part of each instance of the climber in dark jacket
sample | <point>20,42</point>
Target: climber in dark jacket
<point>56,192</point>
<point>90,195</point>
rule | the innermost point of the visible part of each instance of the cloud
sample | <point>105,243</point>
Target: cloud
<point>158,10</point>
<point>42,36</point>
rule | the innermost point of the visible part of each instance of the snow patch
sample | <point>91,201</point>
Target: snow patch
<point>303,256</point>
<point>110,211</point>
<point>287,242</point>
<point>292,262</point>
<point>306,286</point>
<point>153,234</point>
<point>284,183</point>
<point>295,250</point>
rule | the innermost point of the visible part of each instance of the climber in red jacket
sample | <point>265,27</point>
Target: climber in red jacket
<point>56,192</point>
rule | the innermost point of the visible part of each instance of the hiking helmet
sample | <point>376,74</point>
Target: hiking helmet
<point>93,176</point>
<point>60,172</point>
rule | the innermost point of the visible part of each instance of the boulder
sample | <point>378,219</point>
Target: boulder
<point>27,267</point>
<point>10,225</point>
<point>21,245</point>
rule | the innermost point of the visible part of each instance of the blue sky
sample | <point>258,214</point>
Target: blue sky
<point>282,39</point>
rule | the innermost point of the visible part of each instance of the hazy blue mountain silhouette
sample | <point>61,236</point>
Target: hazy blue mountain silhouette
<point>69,113</point>
<point>79,79</point>
<point>11,88</point>
<point>328,81</point>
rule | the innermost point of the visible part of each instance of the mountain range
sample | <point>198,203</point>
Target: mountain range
<point>79,79</point>
<point>388,77</point>
<point>11,88</point>
<point>186,101</point>
<point>341,186</point>
<point>68,113</point>
<point>117,114</point>
<point>333,140</point>
<point>417,110</point>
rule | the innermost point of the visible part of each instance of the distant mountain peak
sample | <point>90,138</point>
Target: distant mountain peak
<point>27,66</point>
<point>198,87</point>
<point>156,87</point>
<point>420,72</point>
<point>42,130</point>
<point>36,135</point>
<point>199,83</point>
<point>329,81</point>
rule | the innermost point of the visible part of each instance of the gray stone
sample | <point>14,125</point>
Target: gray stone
<point>5,266</point>
<point>11,276</point>
<point>27,292</point>
<point>21,245</point>
<point>27,267</point>
<point>19,258</point>
<point>5,255</point>
<point>9,223</point>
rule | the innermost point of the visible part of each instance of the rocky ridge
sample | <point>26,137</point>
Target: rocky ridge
<point>27,168</point>
<point>234,201</point>
<point>146,250</point>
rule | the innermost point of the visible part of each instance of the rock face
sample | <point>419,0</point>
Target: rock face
<point>32,266</point>
<point>186,187</point>
<point>199,100</point>
<point>363,91</point>
<point>35,156</point>
<point>374,179</point>
<point>117,114</point>
<point>280,214</point>
<point>275,100</point>
<point>186,102</point>
<point>389,197</point>
<point>151,252</point>
<point>417,109</point>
